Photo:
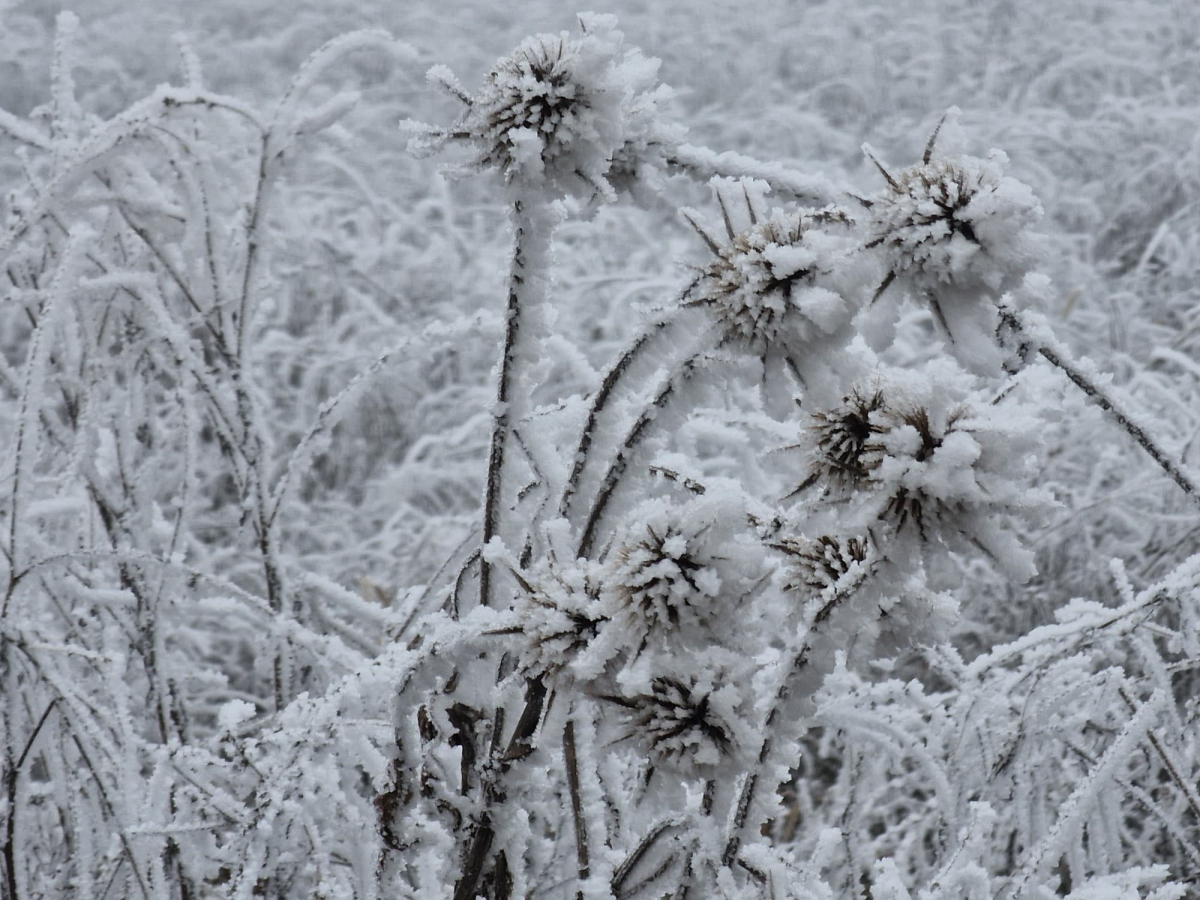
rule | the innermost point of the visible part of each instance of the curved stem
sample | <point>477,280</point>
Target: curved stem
<point>599,401</point>
<point>704,163</point>
<point>637,432</point>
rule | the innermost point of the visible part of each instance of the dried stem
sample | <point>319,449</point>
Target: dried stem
<point>501,421</point>
<point>598,402</point>
<point>636,433</point>
<point>1037,334</point>
<point>581,838</point>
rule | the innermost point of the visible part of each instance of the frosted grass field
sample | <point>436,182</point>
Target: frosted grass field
<point>780,485</point>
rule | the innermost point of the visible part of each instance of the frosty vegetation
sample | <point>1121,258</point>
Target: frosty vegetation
<point>452,544</point>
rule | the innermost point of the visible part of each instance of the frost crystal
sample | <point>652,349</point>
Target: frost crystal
<point>562,112</point>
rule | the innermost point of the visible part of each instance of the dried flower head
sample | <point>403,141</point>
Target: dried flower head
<point>959,222</point>
<point>675,568</point>
<point>685,722</point>
<point>557,618</point>
<point>764,286</point>
<point>932,458</point>
<point>827,562</point>
<point>665,577</point>
<point>839,438</point>
<point>558,110</point>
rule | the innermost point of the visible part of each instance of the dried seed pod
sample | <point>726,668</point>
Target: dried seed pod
<point>557,619</point>
<point>665,577</point>
<point>818,564</point>
<point>558,110</point>
<point>953,221</point>
<point>765,288</point>
<point>683,722</point>
<point>840,438</point>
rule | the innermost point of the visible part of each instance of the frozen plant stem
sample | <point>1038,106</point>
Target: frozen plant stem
<point>581,845</point>
<point>531,241</point>
<point>702,163</point>
<point>1037,335</point>
<point>636,433</point>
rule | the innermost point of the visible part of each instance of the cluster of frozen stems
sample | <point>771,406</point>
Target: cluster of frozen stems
<point>622,684</point>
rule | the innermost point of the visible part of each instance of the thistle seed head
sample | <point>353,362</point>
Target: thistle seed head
<point>841,438</point>
<point>557,619</point>
<point>678,722</point>
<point>558,110</point>
<point>816,565</point>
<point>909,438</point>
<point>960,222</point>
<point>665,577</point>
<point>762,288</point>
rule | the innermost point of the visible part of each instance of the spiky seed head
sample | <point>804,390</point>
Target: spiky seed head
<point>557,619</point>
<point>762,286</point>
<point>678,723</point>
<point>558,110</point>
<point>664,577</point>
<point>957,221</point>
<point>907,432</point>
<point>841,437</point>
<point>817,564</point>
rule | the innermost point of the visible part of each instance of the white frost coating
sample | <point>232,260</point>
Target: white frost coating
<point>413,746</point>
<point>1075,806</point>
<point>234,713</point>
<point>958,221</point>
<point>574,115</point>
<point>333,109</point>
<point>813,189</point>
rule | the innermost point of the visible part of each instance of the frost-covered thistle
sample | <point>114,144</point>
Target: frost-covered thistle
<point>557,618</point>
<point>928,456</point>
<point>665,576</point>
<point>839,438</point>
<point>559,110</point>
<point>829,561</point>
<point>684,722</point>
<point>676,568</point>
<point>768,285</point>
<point>953,221</point>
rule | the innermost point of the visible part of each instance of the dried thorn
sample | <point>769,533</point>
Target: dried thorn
<point>884,285</point>
<point>749,206</point>
<point>895,185</point>
<point>712,245</point>
<point>940,316</point>
<point>928,155</point>
<point>725,214</point>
